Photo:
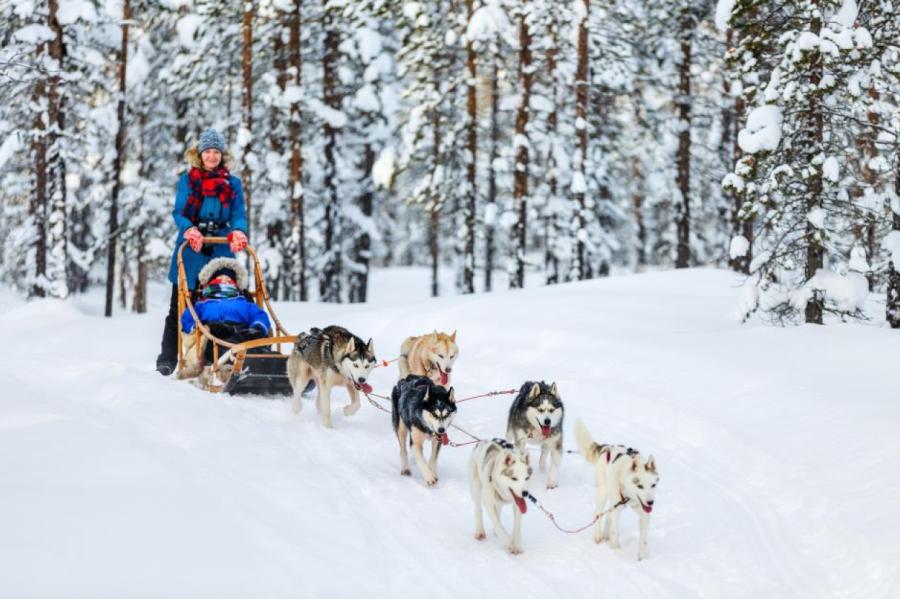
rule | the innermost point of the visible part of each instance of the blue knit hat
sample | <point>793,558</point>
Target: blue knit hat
<point>212,140</point>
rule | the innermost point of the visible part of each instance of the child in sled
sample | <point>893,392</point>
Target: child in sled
<point>224,309</point>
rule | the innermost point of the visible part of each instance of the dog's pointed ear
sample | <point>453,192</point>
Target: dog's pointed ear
<point>528,462</point>
<point>370,346</point>
<point>508,459</point>
<point>554,390</point>
<point>535,391</point>
<point>650,466</point>
<point>453,337</point>
<point>451,395</point>
<point>425,397</point>
<point>351,345</point>
<point>635,462</point>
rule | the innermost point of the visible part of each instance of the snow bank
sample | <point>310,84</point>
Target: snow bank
<point>117,482</point>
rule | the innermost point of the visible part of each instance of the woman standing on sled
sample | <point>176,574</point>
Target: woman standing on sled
<point>209,202</point>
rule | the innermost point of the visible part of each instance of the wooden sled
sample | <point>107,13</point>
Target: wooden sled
<point>255,367</point>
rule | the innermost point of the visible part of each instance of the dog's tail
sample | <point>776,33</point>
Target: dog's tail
<point>586,445</point>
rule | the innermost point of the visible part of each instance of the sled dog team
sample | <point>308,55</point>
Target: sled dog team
<point>423,406</point>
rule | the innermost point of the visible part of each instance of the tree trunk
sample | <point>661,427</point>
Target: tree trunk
<point>581,269</point>
<point>297,242</point>
<point>113,231</point>
<point>38,208</point>
<point>892,310</point>
<point>247,110</point>
<point>359,279</point>
<point>520,177</point>
<point>434,209</point>
<point>471,199</point>
<point>181,132</point>
<point>815,252</point>
<point>57,233</point>
<point>683,158</point>
<point>551,260</point>
<point>330,286</point>
<point>637,201</point>
<point>277,281</point>
<point>492,179</point>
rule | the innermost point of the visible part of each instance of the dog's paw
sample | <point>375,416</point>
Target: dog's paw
<point>351,409</point>
<point>551,485</point>
<point>405,472</point>
<point>431,480</point>
<point>514,549</point>
<point>614,543</point>
<point>480,536</point>
<point>598,539</point>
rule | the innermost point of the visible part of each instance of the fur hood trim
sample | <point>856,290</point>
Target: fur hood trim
<point>224,262</point>
<point>192,157</point>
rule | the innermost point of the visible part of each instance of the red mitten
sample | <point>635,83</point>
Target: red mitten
<point>194,238</point>
<point>238,241</point>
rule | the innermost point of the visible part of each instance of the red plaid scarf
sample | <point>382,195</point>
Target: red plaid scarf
<point>207,183</point>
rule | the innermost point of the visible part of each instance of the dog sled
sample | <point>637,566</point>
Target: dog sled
<point>256,367</point>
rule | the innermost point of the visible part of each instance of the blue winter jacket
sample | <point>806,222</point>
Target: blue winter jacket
<point>235,218</point>
<point>235,310</point>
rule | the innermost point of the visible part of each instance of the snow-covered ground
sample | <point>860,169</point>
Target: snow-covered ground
<point>777,448</point>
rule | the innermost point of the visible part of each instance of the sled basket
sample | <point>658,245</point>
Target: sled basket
<point>257,367</point>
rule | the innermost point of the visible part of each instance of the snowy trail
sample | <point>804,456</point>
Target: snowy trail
<point>776,448</point>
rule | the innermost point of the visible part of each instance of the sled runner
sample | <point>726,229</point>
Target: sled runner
<point>255,367</point>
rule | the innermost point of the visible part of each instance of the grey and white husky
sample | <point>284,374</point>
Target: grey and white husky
<point>330,356</point>
<point>498,474</point>
<point>536,416</point>
<point>623,478</point>
<point>423,411</point>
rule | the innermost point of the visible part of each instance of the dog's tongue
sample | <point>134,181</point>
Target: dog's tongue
<point>444,439</point>
<point>545,430</point>
<point>366,387</point>
<point>520,503</point>
<point>444,378</point>
<point>647,508</point>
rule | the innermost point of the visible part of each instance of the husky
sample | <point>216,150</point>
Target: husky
<point>330,356</point>
<point>498,474</point>
<point>536,416</point>
<point>430,355</point>
<point>423,411</point>
<point>624,478</point>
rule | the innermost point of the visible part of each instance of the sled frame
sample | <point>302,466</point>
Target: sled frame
<point>219,375</point>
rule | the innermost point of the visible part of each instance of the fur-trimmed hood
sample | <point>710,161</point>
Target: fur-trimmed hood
<point>224,262</point>
<point>192,157</point>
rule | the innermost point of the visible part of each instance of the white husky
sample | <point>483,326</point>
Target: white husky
<point>623,478</point>
<point>498,474</point>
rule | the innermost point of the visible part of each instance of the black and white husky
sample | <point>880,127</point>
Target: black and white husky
<point>498,474</point>
<point>536,416</point>
<point>423,411</point>
<point>623,478</point>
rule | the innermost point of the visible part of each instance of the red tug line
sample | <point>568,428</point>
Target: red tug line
<point>476,439</point>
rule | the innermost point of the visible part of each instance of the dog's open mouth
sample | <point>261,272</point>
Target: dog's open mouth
<point>645,507</point>
<point>520,502</point>
<point>445,378</point>
<point>364,387</point>
<point>444,438</point>
<point>545,430</point>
